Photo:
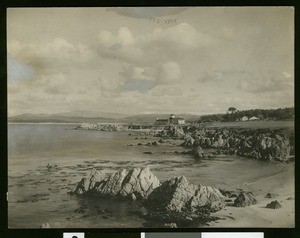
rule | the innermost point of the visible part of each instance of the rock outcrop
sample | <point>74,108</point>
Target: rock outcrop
<point>261,144</point>
<point>172,131</point>
<point>178,202</point>
<point>136,183</point>
<point>197,152</point>
<point>274,205</point>
<point>270,195</point>
<point>173,203</point>
<point>179,195</point>
<point>102,126</point>
<point>245,199</point>
<point>88,184</point>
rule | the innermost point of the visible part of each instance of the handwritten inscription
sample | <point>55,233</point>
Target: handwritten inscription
<point>163,20</point>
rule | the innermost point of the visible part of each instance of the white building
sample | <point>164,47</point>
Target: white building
<point>244,118</point>
<point>253,119</point>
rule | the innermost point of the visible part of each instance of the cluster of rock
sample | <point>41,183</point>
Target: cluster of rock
<point>150,143</point>
<point>174,201</point>
<point>102,126</point>
<point>51,166</point>
<point>245,199</point>
<point>239,199</point>
<point>171,131</point>
<point>261,144</point>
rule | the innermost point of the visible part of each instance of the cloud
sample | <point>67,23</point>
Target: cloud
<point>138,73</point>
<point>183,36</point>
<point>170,73</point>
<point>217,75</point>
<point>142,86</point>
<point>58,53</point>
<point>166,90</point>
<point>144,79</point>
<point>148,49</point>
<point>266,83</point>
<point>206,60</point>
<point>125,37</point>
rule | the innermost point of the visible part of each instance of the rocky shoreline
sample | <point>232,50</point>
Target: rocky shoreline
<point>260,144</point>
<point>102,126</point>
<point>171,203</point>
<point>176,202</point>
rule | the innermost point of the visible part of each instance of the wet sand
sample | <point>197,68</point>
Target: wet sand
<point>281,184</point>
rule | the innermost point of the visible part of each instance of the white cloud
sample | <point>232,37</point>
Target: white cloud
<point>272,82</point>
<point>130,71</point>
<point>183,36</point>
<point>148,49</point>
<point>202,63</point>
<point>170,72</point>
<point>106,38</point>
<point>125,37</point>
<point>57,53</point>
<point>168,90</point>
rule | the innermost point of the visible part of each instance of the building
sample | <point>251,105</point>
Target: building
<point>172,120</point>
<point>161,122</point>
<point>253,119</point>
<point>244,118</point>
<point>176,120</point>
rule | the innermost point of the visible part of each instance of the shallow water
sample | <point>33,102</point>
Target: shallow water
<point>75,152</point>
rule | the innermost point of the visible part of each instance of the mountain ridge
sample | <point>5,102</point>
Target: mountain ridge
<point>79,116</point>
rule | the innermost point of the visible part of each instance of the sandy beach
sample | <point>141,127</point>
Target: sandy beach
<point>281,184</point>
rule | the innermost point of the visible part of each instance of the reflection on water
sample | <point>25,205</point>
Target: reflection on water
<point>38,195</point>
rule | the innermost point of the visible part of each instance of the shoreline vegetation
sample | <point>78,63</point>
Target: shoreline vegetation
<point>177,203</point>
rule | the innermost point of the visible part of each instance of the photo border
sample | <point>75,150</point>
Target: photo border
<point>109,232</point>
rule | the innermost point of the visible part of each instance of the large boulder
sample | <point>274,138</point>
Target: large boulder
<point>188,141</point>
<point>139,182</point>
<point>274,205</point>
<point>178,202</point>
<point>179,195</point>
<point>88,184</point>
<point>245,199</point>
<point>197,152</point>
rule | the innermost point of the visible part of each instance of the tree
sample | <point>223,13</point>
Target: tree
<point>231,110</point>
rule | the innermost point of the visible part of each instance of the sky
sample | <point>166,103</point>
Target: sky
<point>198,60</point>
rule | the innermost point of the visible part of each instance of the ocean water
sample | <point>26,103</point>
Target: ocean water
<point>37,195</point>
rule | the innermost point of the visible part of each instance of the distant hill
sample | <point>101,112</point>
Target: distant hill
<point>91,114</point>
<point>150,118</point>
<point>77,116</point>
<point>80,116</point>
